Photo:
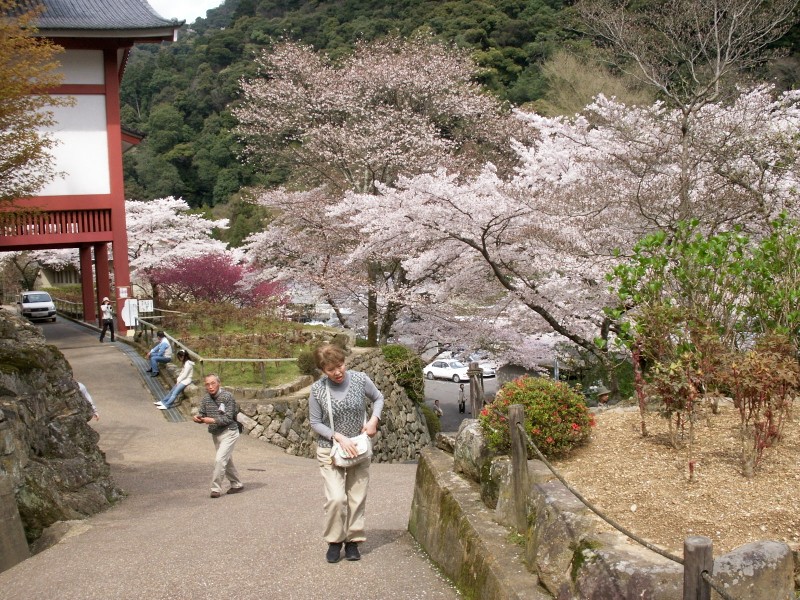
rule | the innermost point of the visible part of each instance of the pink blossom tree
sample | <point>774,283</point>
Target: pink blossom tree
<point>163,232</point>
<point>22,267</point>
<point>529,254</point>
<point>216,278</point>
<point>391,107</point>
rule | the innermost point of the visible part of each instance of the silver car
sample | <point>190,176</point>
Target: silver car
<point>36,306</point>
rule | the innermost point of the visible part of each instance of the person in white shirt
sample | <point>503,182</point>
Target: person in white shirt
<point>184,379</point>
<point>107,316</point>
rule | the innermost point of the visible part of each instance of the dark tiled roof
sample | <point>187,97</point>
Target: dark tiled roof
<point>99,15</point>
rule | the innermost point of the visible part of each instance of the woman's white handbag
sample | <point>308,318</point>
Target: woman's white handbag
<point>363,446</point>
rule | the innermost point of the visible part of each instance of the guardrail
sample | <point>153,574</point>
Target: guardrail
<point>70,309</point>
<point>147,328</point>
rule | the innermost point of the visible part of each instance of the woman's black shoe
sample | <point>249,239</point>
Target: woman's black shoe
<point>351,551</point>
<point>334,552</point>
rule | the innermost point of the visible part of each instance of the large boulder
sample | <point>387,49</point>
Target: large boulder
<point>46,446</point>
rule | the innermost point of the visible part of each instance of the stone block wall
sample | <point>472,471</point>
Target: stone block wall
<point>566,550</point>
<point>280,416</point>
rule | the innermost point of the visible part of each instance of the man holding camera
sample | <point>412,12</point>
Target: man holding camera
<point>218,410</point>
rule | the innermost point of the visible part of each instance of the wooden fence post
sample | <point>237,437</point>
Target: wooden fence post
<point>519,466</point>
<point>698,557</point>
<point>475,374</point>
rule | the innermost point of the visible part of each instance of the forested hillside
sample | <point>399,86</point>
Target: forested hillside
<point>179,95</point>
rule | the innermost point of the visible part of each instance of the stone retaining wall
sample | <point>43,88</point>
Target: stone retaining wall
<point>279,416</point>
<point>566,551</point>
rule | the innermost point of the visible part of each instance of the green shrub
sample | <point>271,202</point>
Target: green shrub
<point>306,364</point>
<point>406,367</point>
<point>434,425</point>
<point>556,417</point>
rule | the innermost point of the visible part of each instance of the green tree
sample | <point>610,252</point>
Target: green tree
<point>28,67</point>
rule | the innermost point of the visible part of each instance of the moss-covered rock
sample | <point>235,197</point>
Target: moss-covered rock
<point>46,446</point>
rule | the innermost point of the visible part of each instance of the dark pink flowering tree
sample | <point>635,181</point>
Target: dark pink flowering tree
<point>217,278</point>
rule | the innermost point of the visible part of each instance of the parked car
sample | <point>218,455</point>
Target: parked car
<point>446,369</point>
<point>36,305</point>
<point>489,369</point>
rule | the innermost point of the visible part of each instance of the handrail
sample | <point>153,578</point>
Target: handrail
<point>67,307</point>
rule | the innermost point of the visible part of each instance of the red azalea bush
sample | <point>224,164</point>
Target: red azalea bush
<point>556,417</point>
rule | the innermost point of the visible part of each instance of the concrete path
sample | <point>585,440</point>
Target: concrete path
<point>169,539</point>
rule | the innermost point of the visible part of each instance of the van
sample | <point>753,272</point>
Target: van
<point>36,306</point>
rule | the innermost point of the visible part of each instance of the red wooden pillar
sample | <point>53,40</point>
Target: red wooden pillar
<point>87,285</point>
<point>119,233</point>
<point>102,272</point>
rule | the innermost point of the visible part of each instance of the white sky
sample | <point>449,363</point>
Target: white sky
<point>185,10</point>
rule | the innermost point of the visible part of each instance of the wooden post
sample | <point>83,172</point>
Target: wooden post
<point>519,466</point>
<point>698,557</point>
<point>475,389</point>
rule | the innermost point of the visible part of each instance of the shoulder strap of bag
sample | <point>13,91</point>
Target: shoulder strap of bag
<point>330,410</point>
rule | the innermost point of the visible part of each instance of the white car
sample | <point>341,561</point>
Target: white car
<point>36,305</point>
<point>447,369</point>
<point>489,370</point>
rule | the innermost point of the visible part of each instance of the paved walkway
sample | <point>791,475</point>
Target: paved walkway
<point>168,539</point>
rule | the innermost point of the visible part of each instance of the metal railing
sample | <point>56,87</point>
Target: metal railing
<point>70,309</point>
<point>698,556</point>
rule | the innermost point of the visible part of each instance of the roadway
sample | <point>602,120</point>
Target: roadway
<point>447,393</point>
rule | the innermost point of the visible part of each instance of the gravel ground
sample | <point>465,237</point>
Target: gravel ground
<point>643,482</point>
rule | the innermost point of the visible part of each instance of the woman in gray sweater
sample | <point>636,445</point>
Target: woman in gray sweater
<point>345,488</point>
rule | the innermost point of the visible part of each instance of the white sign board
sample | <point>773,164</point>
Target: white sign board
<point>145,306</point>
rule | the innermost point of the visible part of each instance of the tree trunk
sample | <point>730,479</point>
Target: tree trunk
<point>372,305</point>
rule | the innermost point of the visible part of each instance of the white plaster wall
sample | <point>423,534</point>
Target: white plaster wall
<point>82,152</point>
<point>81,67</point>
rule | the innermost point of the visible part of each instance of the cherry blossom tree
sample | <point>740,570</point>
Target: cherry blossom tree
<point>391,107</point>
<point>529,254</point>
<point>22,267</point>
<point>163,232</point>
<point>691,53</point>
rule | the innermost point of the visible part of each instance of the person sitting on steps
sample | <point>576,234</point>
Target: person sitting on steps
<point>160,353</point>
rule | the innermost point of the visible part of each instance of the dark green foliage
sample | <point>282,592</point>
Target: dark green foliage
<point>407,369</point>
<point>556,417</point>
<point>434,424</point>
<point>306,364</point>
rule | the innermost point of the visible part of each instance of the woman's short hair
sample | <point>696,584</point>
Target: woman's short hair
<point>182,354</point>
<point>328,355</point>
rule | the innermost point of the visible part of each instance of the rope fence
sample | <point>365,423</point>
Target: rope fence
<point>698,560</point>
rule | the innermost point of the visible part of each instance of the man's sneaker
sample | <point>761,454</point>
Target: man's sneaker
<point>159,403</point>
<point>236,490</point>
<point>334,552</point>
<point>351,551</point>
<point>215,494</point>
<point>153,374</point>
<point>162,407</point>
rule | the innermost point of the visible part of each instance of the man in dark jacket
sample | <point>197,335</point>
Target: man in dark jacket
<point>218,410</point>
